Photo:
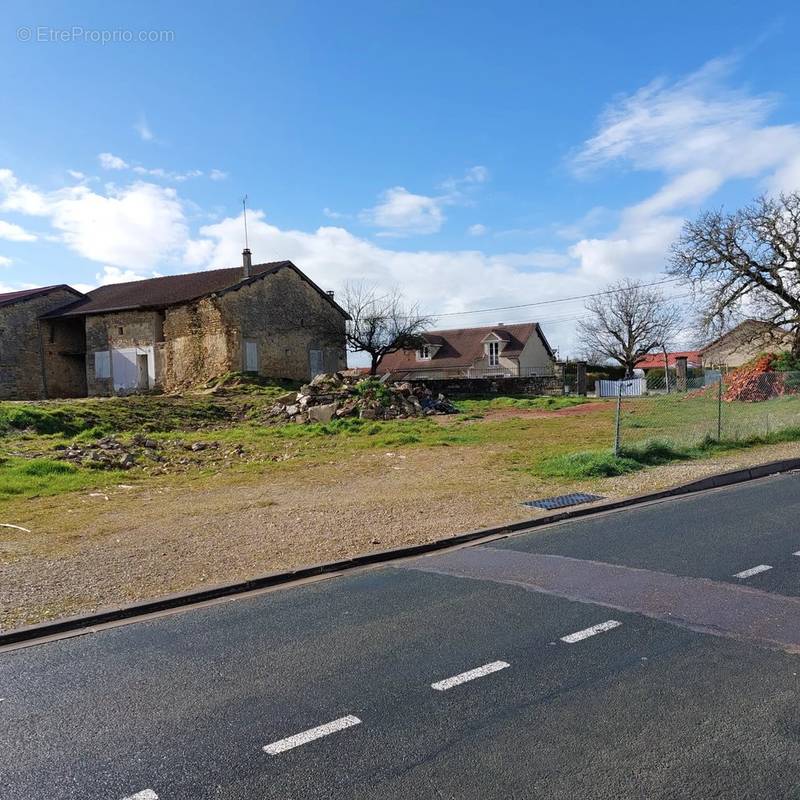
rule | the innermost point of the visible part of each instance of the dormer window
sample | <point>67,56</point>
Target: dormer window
<point>424,353</point>
<point>494,354</point>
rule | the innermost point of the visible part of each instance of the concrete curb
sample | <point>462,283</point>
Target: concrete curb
<point>86,622</point>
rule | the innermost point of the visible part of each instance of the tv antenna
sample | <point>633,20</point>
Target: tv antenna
<point>244,214</point>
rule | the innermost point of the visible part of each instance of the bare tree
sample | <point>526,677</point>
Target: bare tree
<point>381,323</point>
<point>628,322</point>
<point>745,263</point>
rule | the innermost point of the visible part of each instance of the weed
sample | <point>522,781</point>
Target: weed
<point>41,476</point>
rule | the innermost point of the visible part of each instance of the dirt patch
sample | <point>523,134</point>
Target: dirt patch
<point>125,543</point>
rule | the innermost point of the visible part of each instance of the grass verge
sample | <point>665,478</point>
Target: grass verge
<point>604,464</point>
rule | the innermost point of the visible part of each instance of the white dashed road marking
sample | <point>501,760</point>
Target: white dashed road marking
<point>797,553</point>
<point>147,794</point>
<point>601,627</point>
<point>746,573</point>
<point>478,672</point>
<point>309,736</point>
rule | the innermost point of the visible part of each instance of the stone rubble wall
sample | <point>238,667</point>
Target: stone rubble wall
<point>21,362</point>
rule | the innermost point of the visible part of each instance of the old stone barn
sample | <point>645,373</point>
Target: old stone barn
<point>168,333</point>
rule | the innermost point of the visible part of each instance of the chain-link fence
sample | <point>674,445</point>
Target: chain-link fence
<point>704,408</point>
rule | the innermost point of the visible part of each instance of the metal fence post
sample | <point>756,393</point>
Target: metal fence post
<point>719,410</point>
<point>617,421</point>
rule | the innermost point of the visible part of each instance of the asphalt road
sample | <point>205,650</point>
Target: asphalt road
<point>462,675</point>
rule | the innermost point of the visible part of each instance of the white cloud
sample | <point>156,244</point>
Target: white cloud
<point>473,175</point>
<point>331,214</point>
<point>136,226</point>
<point>76,174</point>
<point>5,261</point>
<point>110,161</point>
<point>699,133</point>
<point>116,275</point>
<point>198,253</point>
<point>143,129</point>
<point>697,124</point>
<point>159,172</point>
<point>401,212</point>
<point>14,196</point>
<point>477,229</point>
<point>15,233</point>
<point>441,281</point>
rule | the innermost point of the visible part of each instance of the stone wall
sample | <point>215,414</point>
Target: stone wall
<point>287,318</point>
<point>21,366</point>
<point>197,344</point>
<point>281,313</point>
<point>493,387</point>
<point>116,330</point>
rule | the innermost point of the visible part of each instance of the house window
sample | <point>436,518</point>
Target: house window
<point>424,353</point>
<point>120,330</point>
<point>102,364</point>
<point>494,354</point>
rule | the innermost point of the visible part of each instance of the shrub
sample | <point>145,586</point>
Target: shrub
<point>373,389</point>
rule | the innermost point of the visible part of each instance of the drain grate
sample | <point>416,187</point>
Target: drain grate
<point>563,500</point>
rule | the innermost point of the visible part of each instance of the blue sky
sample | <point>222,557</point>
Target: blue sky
<point>475,155</point>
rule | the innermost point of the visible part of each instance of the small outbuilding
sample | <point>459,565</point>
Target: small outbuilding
<point>744,343</point>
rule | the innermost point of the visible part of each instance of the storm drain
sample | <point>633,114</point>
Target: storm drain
<point>563,500</point>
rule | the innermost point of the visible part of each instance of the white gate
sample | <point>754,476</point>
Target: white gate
<point>633,387</point>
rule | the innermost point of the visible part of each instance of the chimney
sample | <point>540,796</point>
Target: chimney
<point>330,293</point>
<point>247,262</point>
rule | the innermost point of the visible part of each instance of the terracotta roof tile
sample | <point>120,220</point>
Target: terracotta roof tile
<point>656,360</point>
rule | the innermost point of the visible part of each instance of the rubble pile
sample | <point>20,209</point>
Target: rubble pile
<point>158,457</point>
<point>335,396</point>
<point>755,382</point>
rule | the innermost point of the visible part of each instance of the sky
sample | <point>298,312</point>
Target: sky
<point>473,155</point>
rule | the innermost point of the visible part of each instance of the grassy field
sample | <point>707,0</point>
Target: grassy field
<point>537,439</point>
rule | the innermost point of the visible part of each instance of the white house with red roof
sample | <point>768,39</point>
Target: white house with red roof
<point>500,350</point>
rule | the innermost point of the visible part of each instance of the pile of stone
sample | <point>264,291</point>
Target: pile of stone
<point>334,396</point>
<point>105,453</point>
<point>110,453</point>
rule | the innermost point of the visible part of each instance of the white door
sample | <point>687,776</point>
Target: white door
<point>133,368</point>
<point>124,369</point>
<point>317,362</point>
<point>251,356</point>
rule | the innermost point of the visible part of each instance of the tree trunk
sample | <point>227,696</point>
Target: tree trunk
<point>796,344</point>
<point>373,367</point>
